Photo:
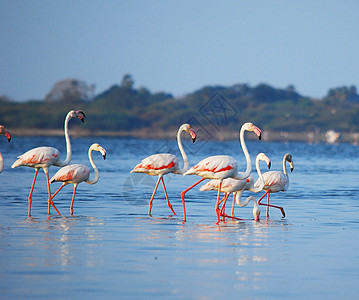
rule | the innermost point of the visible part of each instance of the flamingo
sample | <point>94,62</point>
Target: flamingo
<point>164,163</point>
<point>255,211</point>
<point>222,166</point>
<point>7,134</point>
<point>237,187</point>
<point>77,173</point>
<point>277,181</point>
<point>44,157</point>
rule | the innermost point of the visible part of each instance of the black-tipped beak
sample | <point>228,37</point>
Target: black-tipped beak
<point>104,156</point>
<point>81,115</point>
<point>269,165</point>
<point>8,135</point>
<point>193,135</point>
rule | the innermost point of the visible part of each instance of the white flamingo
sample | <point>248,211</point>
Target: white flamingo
<point>78,173</point>
<point>277,181</point>
<point>222,166</point>
<point>164,163</point>
<point>44,157</point>
<point>7,134</point>
<point>237,187</point>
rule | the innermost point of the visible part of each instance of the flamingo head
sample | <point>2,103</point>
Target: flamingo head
<point>188,129</point>
<point>81,115</point>
<point>262,156</point>
<point>4,131</point>
<point>256,213</point>
<point>98,148</point>
<point>289,159</point>
<point>251,127</point>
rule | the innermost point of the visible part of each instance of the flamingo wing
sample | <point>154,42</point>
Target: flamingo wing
<point>229,185</point>
<point>275,181</point>
<point>215,167</point>
<point>38,157</point>
<point>157,164</point>
<point>75,173</point>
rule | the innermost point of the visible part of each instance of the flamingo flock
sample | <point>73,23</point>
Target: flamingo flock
<point>222,170</point>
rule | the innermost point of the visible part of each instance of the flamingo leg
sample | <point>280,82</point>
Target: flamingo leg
<point>267,204</point>
<point>58,191</point>
<point>50,202</point>
<point>223,209</point>
<point>168,201</point>
<point>183,194</point>
<point>153,195</point>
<point>217,202</point>
<point>72,201</point>
<point>32,189</point>
<point>233,203</point>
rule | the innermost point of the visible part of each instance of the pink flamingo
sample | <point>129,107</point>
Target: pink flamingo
<point>222,166</point>
<point>276,181</point>
<point>77,173</point>
<point>44,157</point>
<point>7,134</point>
<point>237,187</point>
<point>164,163</point>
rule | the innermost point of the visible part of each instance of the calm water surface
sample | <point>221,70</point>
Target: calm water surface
<point>111,249</point>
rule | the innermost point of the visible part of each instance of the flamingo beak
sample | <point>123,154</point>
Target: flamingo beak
<point>193,135</point>
<point>103,152</point>
<point>81,115</point>
<point>8,135</point>
<point>291,166</point>
<point>257,131</point>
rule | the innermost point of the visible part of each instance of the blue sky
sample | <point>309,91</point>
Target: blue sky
<point>178,46</point>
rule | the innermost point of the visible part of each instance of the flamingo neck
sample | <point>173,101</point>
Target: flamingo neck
<point>97,174</point>
<point>285,165</point>
<point>1,163</point>
<point>261,185</point>
<point>68,143</point>
<point>248,170</point>
<point>183,153</point>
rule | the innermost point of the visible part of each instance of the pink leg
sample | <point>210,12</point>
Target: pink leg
<point>32,189</point>
<point>72,201</point>
<point>153,195</point>
<point>233,203</point>
<point>223,209</point>
<point>168,201</point>
<point>57,191</point>
<point>279,207</point>
<point>50,199</point>
<point>183,194</point>
<point>217,203</point>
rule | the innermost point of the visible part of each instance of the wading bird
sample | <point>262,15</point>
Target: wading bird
<point>164,163</point>
<point>44,157</point>
<point>7,134</point>
<point>237,187</point>
<point>276,181</point>
<point>77,173</point>
<point>222,166</point>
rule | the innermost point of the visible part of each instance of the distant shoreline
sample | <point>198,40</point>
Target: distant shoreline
<point>309,137</point>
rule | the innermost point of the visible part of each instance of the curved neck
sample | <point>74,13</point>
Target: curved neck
<point>285,166</point>
<point>238,199</point>
<point>68,143</point>
<point>261,185</point>
<point>97,174</point>
<point>183,153</point>
<point>248,170</point>
<point>1,163</point>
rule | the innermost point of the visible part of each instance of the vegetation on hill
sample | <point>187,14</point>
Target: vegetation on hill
<point>125,108</point>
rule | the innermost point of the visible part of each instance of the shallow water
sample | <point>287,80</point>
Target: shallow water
<point>110,248</point>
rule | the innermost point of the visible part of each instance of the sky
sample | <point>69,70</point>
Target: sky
<point>178,46</point>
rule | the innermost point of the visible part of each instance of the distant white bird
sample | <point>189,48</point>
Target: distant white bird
<point>237,187</point>
<point>277,181</point>
<point>7,134</point>
<point>164,163</point>
<point>44,157</point>
<point>78,173</point>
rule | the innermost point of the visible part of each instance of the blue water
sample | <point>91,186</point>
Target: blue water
<point>111,249</point>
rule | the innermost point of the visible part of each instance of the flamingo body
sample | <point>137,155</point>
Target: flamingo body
<point>158,164</point>
<point>215,167</point>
